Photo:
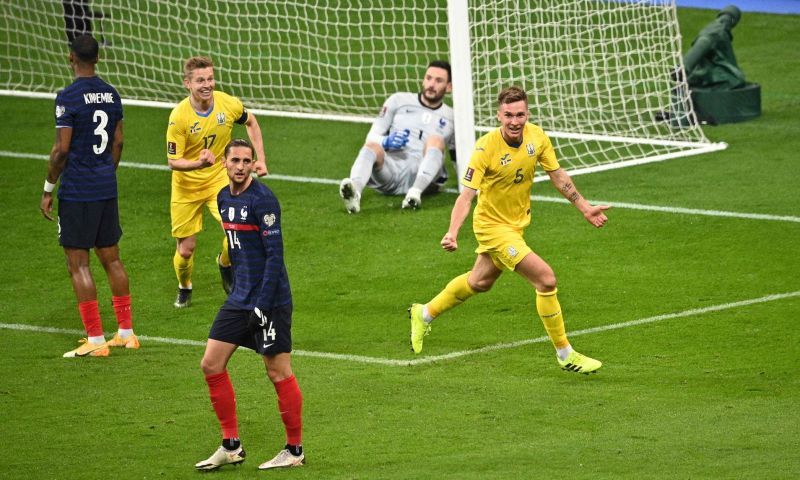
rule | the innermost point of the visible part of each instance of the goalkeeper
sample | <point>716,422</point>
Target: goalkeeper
<point>404,150</point>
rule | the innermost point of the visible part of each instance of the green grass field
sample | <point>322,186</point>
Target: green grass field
<point>702,386</point>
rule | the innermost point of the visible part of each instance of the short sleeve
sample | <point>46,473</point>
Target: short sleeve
<point>547,155</point>
<point>476,168</point>
<point>176,137</point>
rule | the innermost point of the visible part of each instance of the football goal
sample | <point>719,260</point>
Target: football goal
<point>599,74</point>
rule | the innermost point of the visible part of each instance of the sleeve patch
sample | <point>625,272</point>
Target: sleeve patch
<point>171,148</point>
<point>468,174</point>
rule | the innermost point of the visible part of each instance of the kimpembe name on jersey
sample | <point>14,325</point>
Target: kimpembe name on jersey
<point>98,97</point>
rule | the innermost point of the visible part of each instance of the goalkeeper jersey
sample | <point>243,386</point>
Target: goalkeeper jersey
<point>252,222</point>
<point>190,132</point>
<point>503,174</point>
<point>405,111</point>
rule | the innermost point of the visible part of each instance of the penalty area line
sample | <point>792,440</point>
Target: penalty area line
<point>447,356</point>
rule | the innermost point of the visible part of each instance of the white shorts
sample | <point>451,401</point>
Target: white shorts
<point>399,172</point>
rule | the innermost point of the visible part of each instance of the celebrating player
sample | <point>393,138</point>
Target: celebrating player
<point>199,128</point>
<point>404,150</point>
<point>501,168</point>
<point>257,314</point>
<point>86,153</point>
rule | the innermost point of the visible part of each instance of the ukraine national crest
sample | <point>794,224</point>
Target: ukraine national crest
<point>221,118</point>
<point>531,150</point>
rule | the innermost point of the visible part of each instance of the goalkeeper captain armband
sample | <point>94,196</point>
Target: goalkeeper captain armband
<point>395,140</point>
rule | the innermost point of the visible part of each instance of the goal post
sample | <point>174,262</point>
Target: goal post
<point>599,73</point>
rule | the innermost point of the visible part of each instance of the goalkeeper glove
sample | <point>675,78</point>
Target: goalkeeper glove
<point>396,140</point>
<point>257,320</point>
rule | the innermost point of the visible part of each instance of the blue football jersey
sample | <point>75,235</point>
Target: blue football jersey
<point>252,222</point>
<point>91,108</point>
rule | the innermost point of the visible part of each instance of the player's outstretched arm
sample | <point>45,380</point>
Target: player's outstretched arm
<point>594,214</point>
<point>460,211</point>
<point>254,133</point>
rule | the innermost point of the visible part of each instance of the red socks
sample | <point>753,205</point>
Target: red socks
<point>290,405</point>
<point>122,307</point>
<point>90,316</point>
<point>223,400</point>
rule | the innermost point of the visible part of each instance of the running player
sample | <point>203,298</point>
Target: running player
<point>199,129</point>
<point>502,168</point>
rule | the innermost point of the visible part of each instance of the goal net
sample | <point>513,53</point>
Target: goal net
<point>599,73</point>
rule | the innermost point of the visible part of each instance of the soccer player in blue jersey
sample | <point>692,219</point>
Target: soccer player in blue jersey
<point>85,156</point>
<point>257,314</point>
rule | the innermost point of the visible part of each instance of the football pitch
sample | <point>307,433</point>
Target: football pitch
<point>690,296</point>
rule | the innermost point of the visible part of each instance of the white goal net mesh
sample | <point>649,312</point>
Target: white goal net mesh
<point>598,72</point>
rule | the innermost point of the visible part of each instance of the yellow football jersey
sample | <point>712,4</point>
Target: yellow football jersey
<point>190,132</point>
<point>503,175</point>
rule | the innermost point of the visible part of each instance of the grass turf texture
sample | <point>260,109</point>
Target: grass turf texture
<point>705,396</point>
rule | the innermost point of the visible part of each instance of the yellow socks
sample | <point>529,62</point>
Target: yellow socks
<point>455,293</point>
<point>550,312</point>
<point>183,269</point>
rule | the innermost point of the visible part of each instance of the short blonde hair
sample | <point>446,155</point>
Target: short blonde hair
<point>194,63</point>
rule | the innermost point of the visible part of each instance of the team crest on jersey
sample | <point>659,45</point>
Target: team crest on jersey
<point>531,150</point>
<point>195,128</point>
<point>269,219</point>
<point>231,213</point>
<point>442,123</point>
<point>243,213</point>
<point>60,109</point>
<point>505,160</point>
<point>221,118</point>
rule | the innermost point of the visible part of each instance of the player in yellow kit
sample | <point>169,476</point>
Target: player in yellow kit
<point>199,129</point>
<point>502,168</point>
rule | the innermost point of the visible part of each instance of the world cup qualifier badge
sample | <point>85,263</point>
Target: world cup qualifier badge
<point>171,148</point>
<point>468,174</point>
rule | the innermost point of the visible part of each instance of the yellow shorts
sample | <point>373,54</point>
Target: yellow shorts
<point>505,247</point>
<point>186,210</point>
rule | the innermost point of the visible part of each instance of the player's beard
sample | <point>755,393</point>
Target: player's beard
<point>432,97</point>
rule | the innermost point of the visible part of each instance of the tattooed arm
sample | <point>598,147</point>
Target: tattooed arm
<point>593,214</point>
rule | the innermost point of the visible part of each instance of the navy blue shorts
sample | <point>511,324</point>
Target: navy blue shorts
<point>230,326</point>
<point>88,225</point>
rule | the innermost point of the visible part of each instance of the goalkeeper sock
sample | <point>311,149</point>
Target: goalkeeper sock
<point>429,168</point>
<point>455,293</point>
<point>224,258</point>
<point>122,309</point>
<point>223,400</point>
<point>550,312</point>
<point>183,269</point>
<point>290,405</point>
<point>362,168</point>
<point>90,316</point>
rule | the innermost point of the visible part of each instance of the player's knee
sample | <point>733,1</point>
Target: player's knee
<point>186,251</point>
<point>277,373</point>
<point>210,367</point>
<point>546,283</point>
<point>482,284</point>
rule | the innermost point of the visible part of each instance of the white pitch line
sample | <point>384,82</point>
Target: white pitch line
<point>446,356</point>
<point>330,181</point>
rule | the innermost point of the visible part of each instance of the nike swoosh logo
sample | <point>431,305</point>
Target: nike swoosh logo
<point>267,345</point>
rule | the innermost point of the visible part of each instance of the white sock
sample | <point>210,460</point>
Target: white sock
<point>563,353</point>
<point>426,316</point>
<point>184,288</point>
<point>362,168</point>
<point>97,340</point>
<point>124,332</point>
<point>429,168</point>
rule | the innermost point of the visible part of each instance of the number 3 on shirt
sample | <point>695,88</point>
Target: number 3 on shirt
<point>233,239</point>
<point>101,118</point>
